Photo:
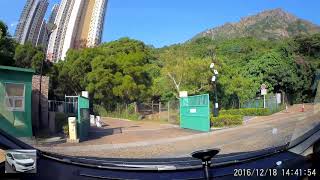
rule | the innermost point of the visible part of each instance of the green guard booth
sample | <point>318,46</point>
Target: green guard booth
<point>15,101</point>
<point>195,112</point>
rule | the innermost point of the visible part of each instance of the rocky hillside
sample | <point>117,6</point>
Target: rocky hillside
<point>270,24</point>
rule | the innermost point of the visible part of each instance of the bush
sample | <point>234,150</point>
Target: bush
<point>66,129</point>
<point>247,112</point>
<point>227,120</point>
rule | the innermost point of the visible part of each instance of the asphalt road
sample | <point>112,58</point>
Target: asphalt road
<point>255,134</point>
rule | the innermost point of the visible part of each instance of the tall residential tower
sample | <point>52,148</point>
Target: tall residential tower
<point>31,20</point>
<point>46,28</point>
<point>79,24</point>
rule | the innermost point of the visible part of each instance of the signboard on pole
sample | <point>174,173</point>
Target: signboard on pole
<point>263,89</point>
<point>85,94</point>
<point>264,93</point>
<point>183,94</point>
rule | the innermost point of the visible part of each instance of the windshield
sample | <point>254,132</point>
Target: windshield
<point>20,156</point>
<point>158,79</point>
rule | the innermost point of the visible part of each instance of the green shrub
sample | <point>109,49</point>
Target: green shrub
<point>227,120</point>
<point>66,129</point>
<point>247,112</point>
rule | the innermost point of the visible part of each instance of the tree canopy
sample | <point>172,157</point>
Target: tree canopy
<point>7,46</point>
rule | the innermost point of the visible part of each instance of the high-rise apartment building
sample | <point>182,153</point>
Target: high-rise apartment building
<point>79,24</point>
<point>42,39</point>
<point>46,28</point>
<point>53,14</point>
<point>31,20</point>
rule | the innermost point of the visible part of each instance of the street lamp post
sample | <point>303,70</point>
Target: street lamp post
<point>215,91</point>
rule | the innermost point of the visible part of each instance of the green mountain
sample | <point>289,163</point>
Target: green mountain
<point>270,24</point>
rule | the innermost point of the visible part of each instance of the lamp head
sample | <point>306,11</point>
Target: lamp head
<point>213,79</point>
<point>211,65</point>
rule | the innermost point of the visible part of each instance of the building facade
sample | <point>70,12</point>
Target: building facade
<point>79,25</point>
<point>31,20</point>
<point>54,13</point>
<point>56,36</point>
<point>42,39</point>
<point>46,28</point>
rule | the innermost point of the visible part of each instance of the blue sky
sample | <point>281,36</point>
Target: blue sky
<point>165,22</point>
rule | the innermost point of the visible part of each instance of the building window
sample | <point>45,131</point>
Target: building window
<point>14,96</point>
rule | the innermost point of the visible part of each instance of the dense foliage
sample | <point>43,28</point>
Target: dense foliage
<point>245,63</point>
<point>7,46</point>
<point>118,71</point>
<point>127,70</point>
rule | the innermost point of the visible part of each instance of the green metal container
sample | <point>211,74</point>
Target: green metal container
<point>195,113</point>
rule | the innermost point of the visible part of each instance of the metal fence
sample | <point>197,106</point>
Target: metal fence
<point>164,111</point>
<point>271,103</point>
<point>62,106</point>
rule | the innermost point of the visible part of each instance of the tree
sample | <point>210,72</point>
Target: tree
<point>28,56</point>
<point>308,45</point>
<point>182,73</point>
<point>236,86</point>
<point>274,71</point>
<point>7,46</point>
<point>120,73</point>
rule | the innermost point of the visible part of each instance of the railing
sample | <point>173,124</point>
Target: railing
<point>63,107</point>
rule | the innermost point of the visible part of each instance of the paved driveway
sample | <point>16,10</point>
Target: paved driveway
<point>150,140</point>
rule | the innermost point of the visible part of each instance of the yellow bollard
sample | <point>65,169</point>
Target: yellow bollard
<point>72,130</point>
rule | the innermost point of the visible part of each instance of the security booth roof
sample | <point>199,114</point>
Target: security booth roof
<point>10,68</point>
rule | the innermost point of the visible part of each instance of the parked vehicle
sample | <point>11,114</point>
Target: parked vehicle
<point>20,162</point>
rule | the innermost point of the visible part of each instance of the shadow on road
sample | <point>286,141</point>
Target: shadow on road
<point>96,133</point>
